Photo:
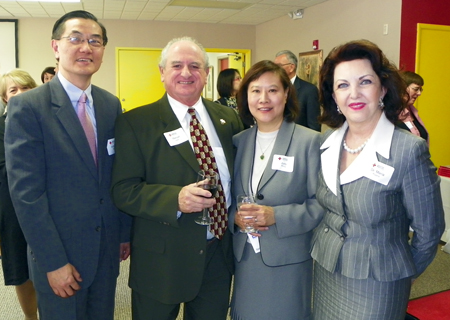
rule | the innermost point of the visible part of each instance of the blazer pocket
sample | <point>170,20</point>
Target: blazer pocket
<point>154,244</point>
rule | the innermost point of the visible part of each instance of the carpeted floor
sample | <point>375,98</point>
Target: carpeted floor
<point>435,279</point>
<point>433,307</point>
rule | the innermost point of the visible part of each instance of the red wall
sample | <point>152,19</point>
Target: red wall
<point>414,12</point>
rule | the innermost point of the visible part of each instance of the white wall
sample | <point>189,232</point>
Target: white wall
<point>333,22</point>
<point>35,52</point>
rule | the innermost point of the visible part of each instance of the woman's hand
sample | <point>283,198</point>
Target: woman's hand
<point>259,216</point>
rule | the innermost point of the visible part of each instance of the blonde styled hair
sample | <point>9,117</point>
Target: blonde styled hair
<point>19,77</point>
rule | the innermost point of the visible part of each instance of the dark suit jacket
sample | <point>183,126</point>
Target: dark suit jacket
<point>5,200</point>
<point>168,254</point>
<point>308,98</point>
<point>61,199</point>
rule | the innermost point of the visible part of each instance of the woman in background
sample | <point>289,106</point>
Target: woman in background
<point>376,181</point>
<point>228,83</point>
<point>48,74</point>
<point>13,244</point>
<point>409,118</point>
<point>277,163</point>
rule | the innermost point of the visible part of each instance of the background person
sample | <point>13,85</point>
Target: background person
<point>375,182</point>
<point>228,83</point>
<point>48,74</point>
<point>275,281</point>
<point>174,259</point>
<point>409,118</point>
<point>307,93</point>
<point>59,166</point>
<point>13,243</point>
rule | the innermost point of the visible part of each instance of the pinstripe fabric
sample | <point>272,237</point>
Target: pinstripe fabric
<point>370,238</point>
<point>337,297</point>
<point>362,242</point>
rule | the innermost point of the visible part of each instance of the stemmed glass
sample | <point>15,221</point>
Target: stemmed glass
<point>208,180</point>
<point>248,220</point>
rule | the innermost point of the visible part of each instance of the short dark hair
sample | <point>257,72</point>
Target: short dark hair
<point>225,82</point>
<point>291,108</point>
<point>386,71</point>
<point>50,70</point>
<point>59,26</point>
<point>411,77</point>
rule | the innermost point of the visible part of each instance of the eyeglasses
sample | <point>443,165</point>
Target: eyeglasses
<point>283,64</point>
<point>417,89</point>
<point>76,40</point>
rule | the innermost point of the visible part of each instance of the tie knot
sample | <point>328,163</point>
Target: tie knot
<point>191,111</point>
<point>83,98</point>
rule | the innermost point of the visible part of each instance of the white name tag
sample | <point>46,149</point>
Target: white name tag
<point>283,163</point>
<point>175,137</point>
<point>380,172</point>
<point>254,241</point>
<point>110,146</point>
<point>409,124</point>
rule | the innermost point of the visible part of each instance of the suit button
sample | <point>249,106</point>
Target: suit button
<point>260,196</point>
<point>98,229</point>
<point>343,218</point>
<point>102,201</point>
<point>201,252</point>
<point>342,238</point>
<point>326,230</point>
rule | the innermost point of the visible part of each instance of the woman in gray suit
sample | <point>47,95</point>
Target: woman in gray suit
<point>277,162</point>
<point>376,181</point>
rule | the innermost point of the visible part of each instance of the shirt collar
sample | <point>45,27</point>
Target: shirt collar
<point>380,142</point>
<point>73,91</point>
<point>180,109</point>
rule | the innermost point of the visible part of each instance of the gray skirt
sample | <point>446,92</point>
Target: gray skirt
<point>337,297</point>
<point>262,292</point>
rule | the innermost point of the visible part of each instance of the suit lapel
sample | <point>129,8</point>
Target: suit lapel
<point>69,120</point>
<point>172,123</point>
<point>224,131</point>
<point>281,146</point>
<point>248,155</point>
<point>101,117</point>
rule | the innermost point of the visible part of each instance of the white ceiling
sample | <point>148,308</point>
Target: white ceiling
<point>256,11</point>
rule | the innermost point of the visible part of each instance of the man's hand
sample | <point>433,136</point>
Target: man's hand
<point>125,250</point>
<point>194,199</point>
<point>64,281</point>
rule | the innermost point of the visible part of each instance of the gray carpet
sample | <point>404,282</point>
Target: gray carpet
<point>435,279</point>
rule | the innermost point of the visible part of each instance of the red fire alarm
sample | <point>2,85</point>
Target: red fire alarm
<point>315,44</point>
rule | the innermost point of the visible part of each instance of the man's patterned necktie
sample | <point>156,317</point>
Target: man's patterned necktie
<point>207,162</point>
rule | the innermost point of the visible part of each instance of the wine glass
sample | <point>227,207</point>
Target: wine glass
<point>208,180</point>
<point>248,220</point>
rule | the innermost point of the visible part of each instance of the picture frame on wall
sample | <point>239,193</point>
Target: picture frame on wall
<point>208,90</point>
<point>9,55</point>
<point>309,64</point>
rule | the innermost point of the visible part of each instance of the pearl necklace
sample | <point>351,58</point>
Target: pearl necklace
<point>357,150</point>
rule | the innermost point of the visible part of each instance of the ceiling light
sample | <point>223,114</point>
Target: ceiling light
<point>296,14</point>
<point>46,0</point>
<point>210,4</point>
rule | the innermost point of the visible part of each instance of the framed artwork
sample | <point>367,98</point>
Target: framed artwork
<point>208,90</point>
<point>9,56</point>
<point>309,64</point>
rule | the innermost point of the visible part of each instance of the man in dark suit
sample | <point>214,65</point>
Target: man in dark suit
<point>307,93</point>
<point>60,176</point>
<point>175,260</point>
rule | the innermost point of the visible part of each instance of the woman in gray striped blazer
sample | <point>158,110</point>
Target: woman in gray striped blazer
<point>376,181</point>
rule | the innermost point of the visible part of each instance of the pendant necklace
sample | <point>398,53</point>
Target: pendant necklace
<point>357,150</point>
<point>268,146</point>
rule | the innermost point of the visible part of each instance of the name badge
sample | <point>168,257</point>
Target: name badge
<point>283,163</point>
<point>409,124</point>
<point>110,146</point>
<point>175,137</point>
<point>380,172</point>
<point>254,241</point>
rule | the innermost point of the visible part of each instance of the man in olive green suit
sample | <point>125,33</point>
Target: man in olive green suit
<point>175,260</point>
